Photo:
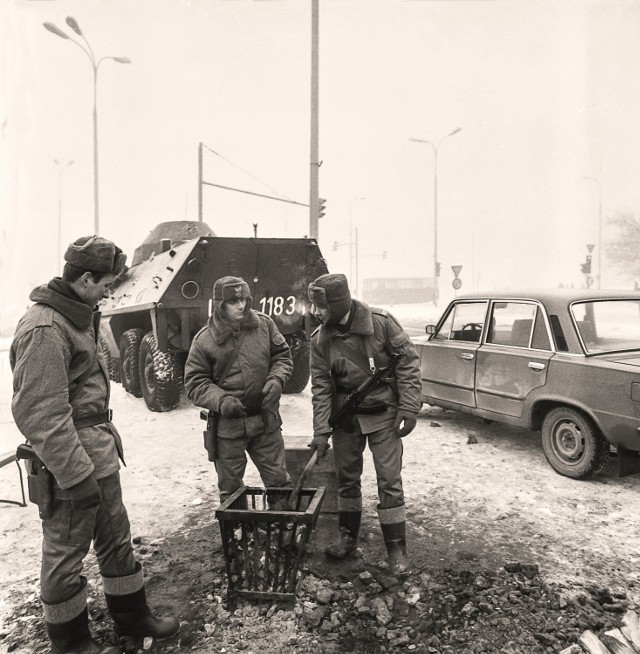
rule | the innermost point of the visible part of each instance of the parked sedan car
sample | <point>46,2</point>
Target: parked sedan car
<point>564,362</point>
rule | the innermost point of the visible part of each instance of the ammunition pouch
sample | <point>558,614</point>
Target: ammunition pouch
<point>210,434</point>
<point>39,481</point>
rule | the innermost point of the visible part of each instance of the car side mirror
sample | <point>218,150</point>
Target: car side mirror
<point>430,329</point>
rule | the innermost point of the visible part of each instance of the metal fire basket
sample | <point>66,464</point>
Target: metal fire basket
<point>265,549</point>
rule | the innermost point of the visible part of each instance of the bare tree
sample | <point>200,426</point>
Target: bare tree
<point>623,246</point>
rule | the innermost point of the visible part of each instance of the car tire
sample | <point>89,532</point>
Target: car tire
<point>572,444</point>
<point>160,376</point>
<point>130,361</point>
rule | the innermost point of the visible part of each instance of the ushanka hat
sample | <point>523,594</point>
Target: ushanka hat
<point>96,254</point>
<point>331,291</point>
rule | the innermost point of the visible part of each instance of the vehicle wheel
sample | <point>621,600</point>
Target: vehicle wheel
<point>573,445</point>
<point>300,352</point>
<point>129,361</point>
<point>160,376</point>
<point>111,363</point>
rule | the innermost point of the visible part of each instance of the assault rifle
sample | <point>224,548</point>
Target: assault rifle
<point>345,413</point>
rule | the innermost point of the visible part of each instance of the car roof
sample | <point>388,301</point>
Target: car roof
<point>552,297</point>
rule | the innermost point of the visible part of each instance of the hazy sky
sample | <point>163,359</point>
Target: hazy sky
<point>544,93</point>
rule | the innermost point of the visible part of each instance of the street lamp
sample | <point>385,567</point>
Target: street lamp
<point>435,205</point>
<point>61,169</point>
<point>353,243</point>
<point>86,48</point>
<point>597,181</point>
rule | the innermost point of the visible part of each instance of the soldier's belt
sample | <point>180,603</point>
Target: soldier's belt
<point>93,419</point>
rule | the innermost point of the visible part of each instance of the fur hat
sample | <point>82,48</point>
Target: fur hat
<point>96,254</point>
<point>229,288</point>
<point>331,291</point>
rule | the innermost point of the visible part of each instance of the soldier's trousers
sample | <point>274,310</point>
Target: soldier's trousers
<point>267,453</point>
<point>386,449</point>
<point>67,537</point>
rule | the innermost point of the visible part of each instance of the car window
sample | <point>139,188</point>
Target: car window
<point>512,324</point>
<point>540,340</point>
<point>463,323</point>
<point>608,325</point>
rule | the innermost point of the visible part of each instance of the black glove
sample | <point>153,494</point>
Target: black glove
<point>86,494</point>
<point>232,407</point>
<point>409,420</point>
<point>320,444</point>
<point>272,391</point>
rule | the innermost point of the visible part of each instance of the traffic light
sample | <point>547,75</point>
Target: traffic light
<point>322,207</point>
<point>586,266</point>
<point>438,267</point>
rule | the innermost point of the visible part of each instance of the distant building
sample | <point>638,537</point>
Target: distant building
<point>398,290</point>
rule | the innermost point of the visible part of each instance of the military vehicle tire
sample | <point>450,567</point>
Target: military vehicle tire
<point>160,376</point>
<point>130,361</point>
<point>300,353</point>
<point>112,365</point>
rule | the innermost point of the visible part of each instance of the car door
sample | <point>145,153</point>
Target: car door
<point>448,359</point>
<point>514,357</point>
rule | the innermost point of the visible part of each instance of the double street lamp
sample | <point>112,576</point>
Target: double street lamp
<point>86,48</point>
<point>436,265</point>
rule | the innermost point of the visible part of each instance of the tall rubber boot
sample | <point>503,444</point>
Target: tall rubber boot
<point>347,541</point>
<point>133,617</point>
<point>74,637</point>
<point>396,542</point>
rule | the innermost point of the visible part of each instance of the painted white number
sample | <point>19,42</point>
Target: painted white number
<point>276,306</point>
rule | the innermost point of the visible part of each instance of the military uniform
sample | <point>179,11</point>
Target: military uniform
<point>61,406</point>
<point>344,354</point>
<point>263,357</point>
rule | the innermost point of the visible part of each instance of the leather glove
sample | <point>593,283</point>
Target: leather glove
<point>232,407</point>
<point>272,391</point>
<point>86,494</point>
<point>320,444</point>
<point>409,420</point>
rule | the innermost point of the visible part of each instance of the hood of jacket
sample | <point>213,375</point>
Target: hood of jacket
<point>362,323</point>
<point>222,329</point>
<point>59,295</point>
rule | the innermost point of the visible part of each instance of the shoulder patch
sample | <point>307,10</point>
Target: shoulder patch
<point>277,338</point>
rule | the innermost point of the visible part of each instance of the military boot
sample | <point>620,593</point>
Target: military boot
<point>73,637</point>
<point>347,541</point>
<point>396,543</point>
<point>133,617</point>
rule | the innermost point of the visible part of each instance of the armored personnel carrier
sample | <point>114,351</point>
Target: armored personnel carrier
<point>160,302</point>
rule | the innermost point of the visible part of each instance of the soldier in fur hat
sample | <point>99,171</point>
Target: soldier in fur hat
<point>237,366</point>
<point>353,341</point>
<point>61,405</point>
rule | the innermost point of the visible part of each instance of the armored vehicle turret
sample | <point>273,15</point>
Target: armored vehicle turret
<point>158,304</point>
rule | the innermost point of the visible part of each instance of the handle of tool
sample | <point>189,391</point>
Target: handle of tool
<point>293,497</point>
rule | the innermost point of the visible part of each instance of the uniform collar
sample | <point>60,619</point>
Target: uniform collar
<point>362,324</point>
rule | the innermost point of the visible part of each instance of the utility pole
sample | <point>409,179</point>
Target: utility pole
<point>314,163</point>
<point>200,181</point>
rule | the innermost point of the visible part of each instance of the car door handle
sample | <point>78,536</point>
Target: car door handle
<point>467,356</point>
<point>534,365</point>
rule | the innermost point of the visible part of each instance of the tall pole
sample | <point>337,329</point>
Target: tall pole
<point>61,169</point>
<point>86,48</point>
<point>597,181</point>
<point>315,129</point>
<point>436,291</point>
<point>200,181</point>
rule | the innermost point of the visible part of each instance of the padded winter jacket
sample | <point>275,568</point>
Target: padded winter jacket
<point>263,355</point>
<point>58,378</point>
<point>340,360</point>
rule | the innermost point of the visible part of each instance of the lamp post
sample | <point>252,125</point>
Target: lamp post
<point>597,181</point>
<point>435,205</point>
<point>352,243</point>
<point>86,48</point>
<point>61,169</point>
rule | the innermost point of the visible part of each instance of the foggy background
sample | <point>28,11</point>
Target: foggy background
<point>545,94</point>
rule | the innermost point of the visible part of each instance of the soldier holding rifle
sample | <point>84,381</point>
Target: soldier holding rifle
<point>365,383</point>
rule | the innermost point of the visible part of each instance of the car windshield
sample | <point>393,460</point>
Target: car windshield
<point>608,325</point>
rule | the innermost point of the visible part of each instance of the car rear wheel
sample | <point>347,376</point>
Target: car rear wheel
<point>129,361</point>
<point>160,376</point>
<point>112,364</point>
<point>573,445</point>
